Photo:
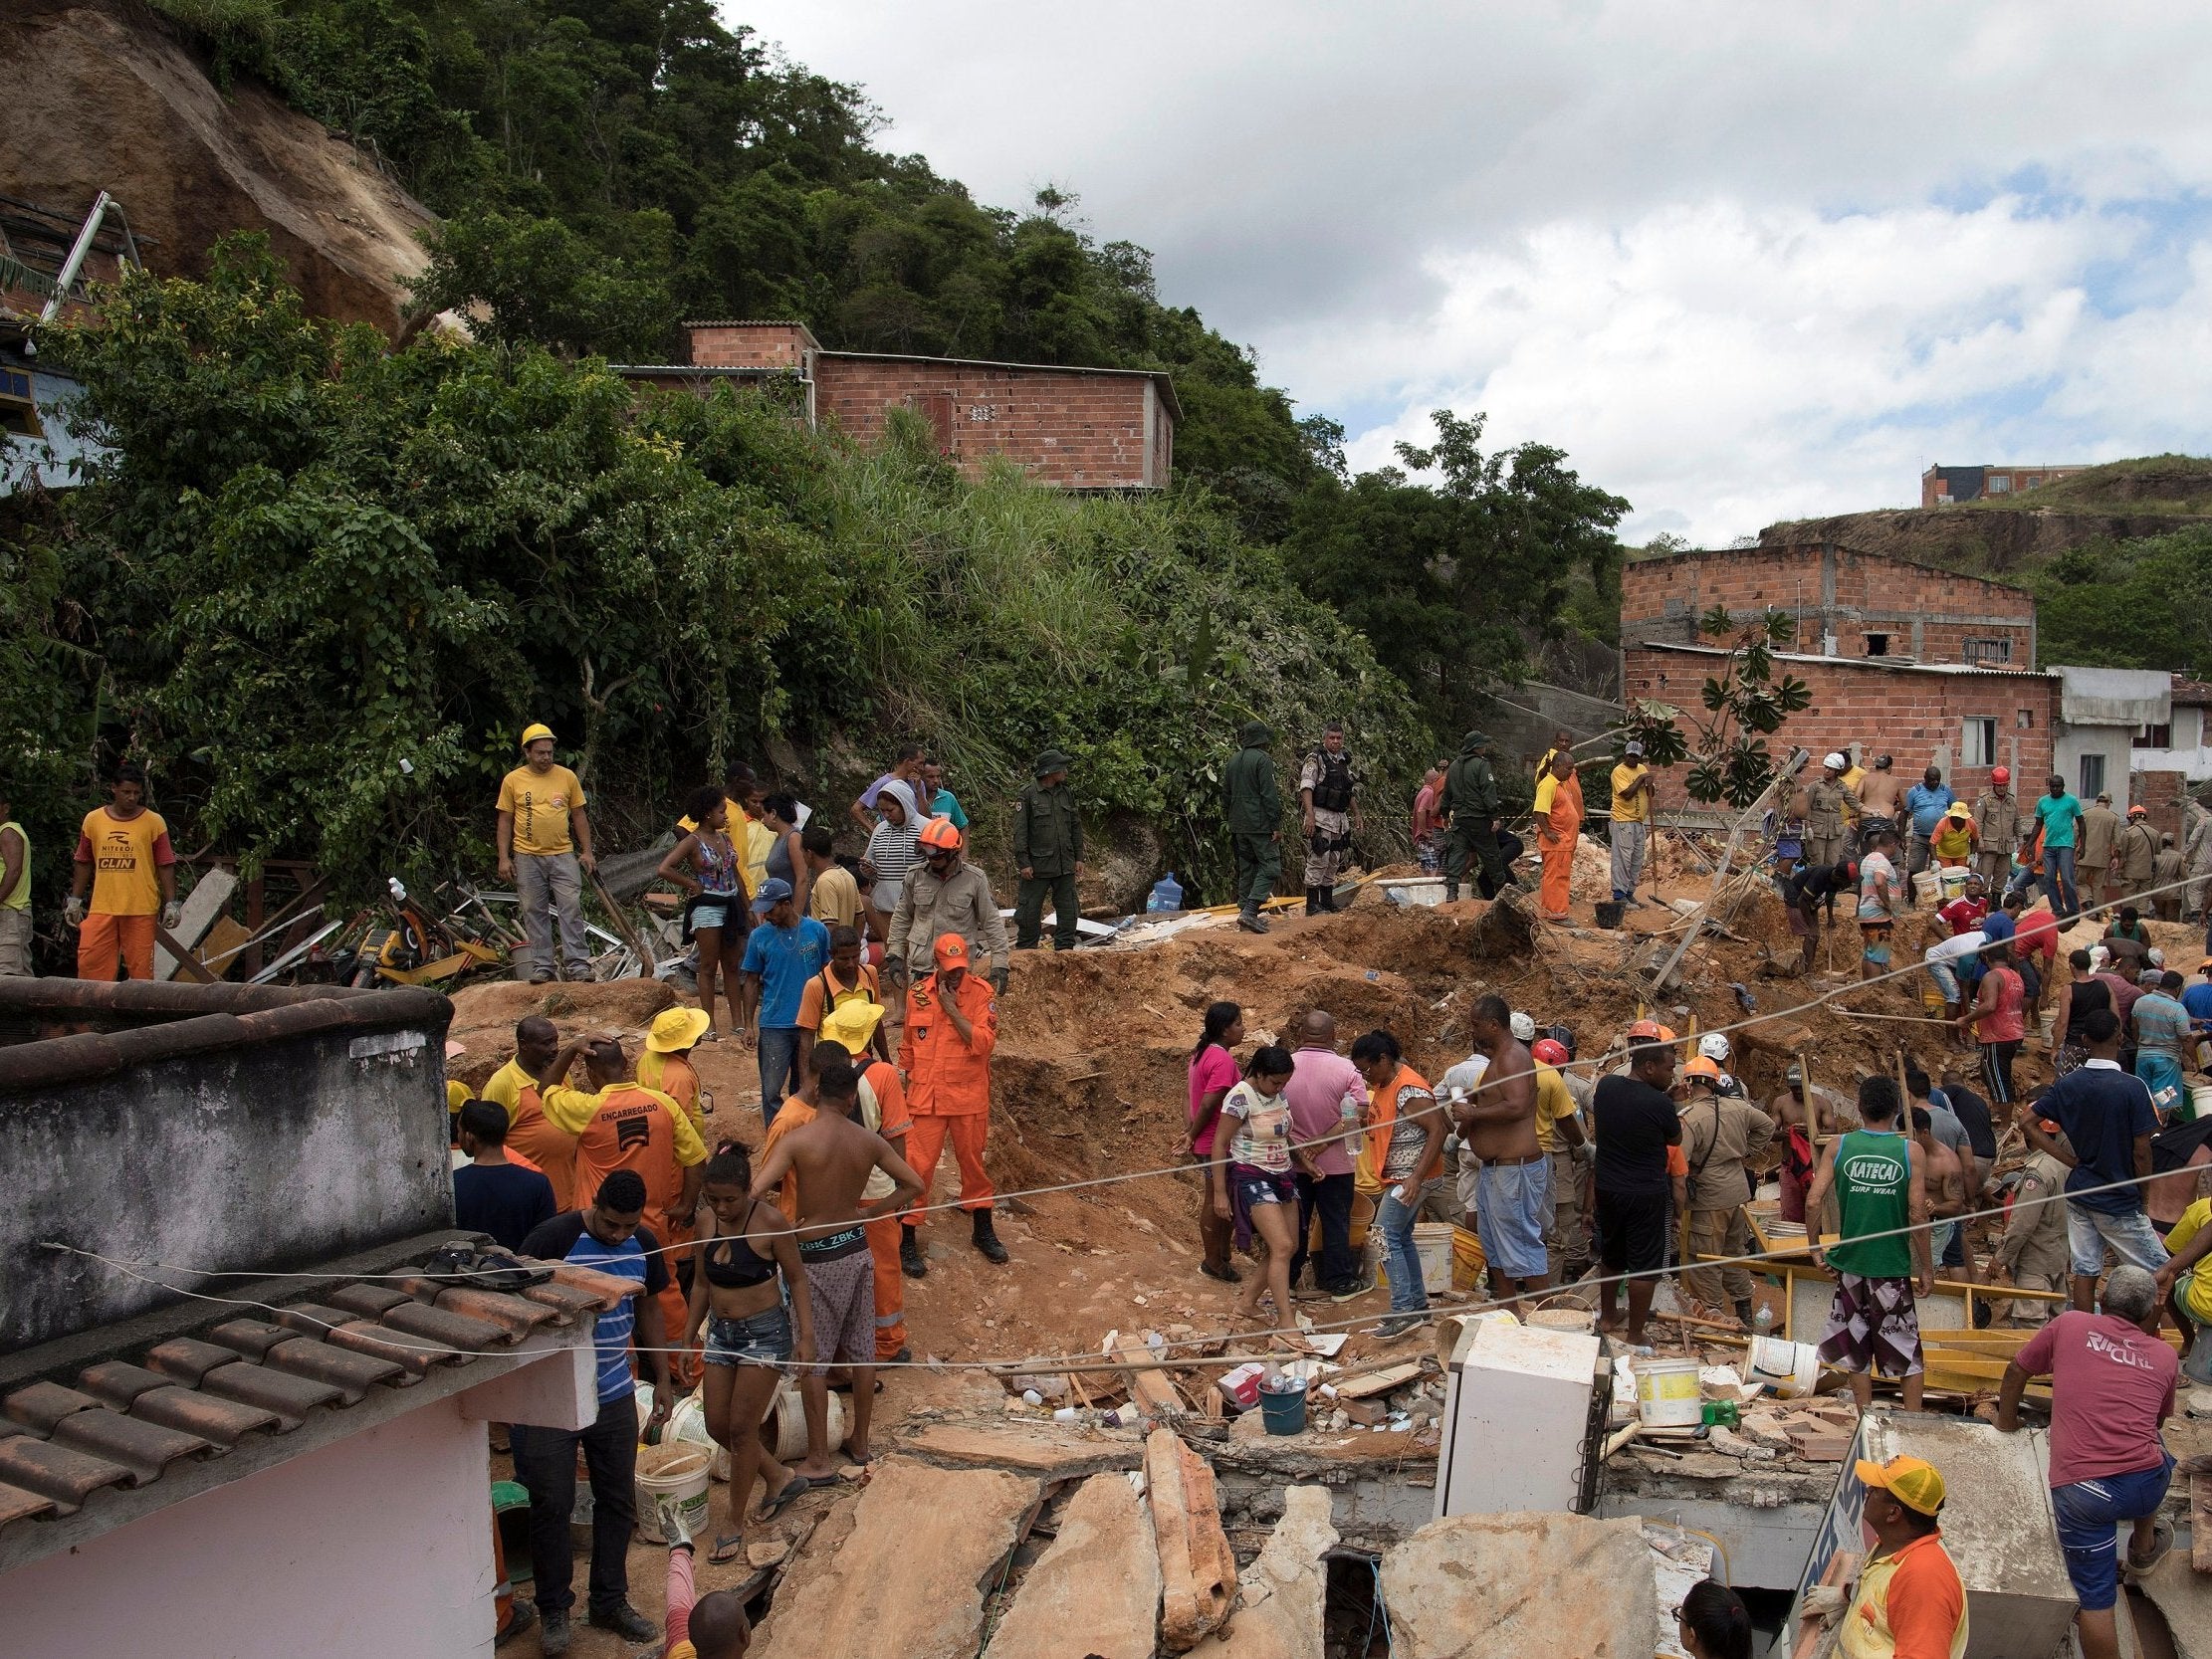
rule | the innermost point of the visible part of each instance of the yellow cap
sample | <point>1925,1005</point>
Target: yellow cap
<point>535,731</point>
<point>675,1029</point>
<point>1912,1481</point>
<point>852,1024</point>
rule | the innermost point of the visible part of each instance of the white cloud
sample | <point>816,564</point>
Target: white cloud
<point>1738,260</point>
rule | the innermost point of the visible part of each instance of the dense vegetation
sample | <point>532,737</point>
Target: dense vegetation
<point>318,583</point>
<point>308,559</point>
<point>2140,603</point>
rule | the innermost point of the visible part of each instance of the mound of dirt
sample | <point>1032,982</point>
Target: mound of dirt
<point>101,97</point>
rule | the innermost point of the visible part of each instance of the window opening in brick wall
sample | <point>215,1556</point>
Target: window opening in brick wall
<point>1878,645</point>
<point>1989,651</point>
<point>19,413</point>
<point>1977,741</point>
<point>2156,736</point>
<point>2093,778</point>
<point>2025,720</point>
<point>1998,484</point>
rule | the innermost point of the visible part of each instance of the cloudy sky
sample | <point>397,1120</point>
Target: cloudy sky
<point>1741,261</point>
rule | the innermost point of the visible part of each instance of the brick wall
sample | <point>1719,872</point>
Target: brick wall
<point>750,344</point>
<point>2160,793</point>
<point>1917,718</point>
<point>1925,615</point>
<point>1067,427</point>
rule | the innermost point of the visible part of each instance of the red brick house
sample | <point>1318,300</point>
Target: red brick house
<point>1077,428</point>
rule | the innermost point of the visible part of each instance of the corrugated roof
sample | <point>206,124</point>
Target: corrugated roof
<point>1882,664</point>
<point>85,1433</point>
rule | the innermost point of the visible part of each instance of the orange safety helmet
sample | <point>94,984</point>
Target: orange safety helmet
<point>1703,1066</point>
<point>939,836</point>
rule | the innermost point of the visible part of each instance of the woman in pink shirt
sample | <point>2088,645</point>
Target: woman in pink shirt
<point>1213,1073</point>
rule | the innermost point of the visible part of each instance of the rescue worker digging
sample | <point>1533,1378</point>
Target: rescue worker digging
<point>1325,791</point>
<point>951,1025</point>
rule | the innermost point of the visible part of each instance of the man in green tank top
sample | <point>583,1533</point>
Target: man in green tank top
<point>1882,1250</point>
<point>14,896</point>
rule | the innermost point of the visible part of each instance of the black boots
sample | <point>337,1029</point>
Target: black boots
<point>986,1240</point>
<point>1314,903</point>
<point>910,1254</point>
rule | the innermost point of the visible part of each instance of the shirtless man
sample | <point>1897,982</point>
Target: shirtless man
<point>1880,791</point>
<point>1498,1124</point>
<point>1799,1123</point>
<point>1946,1189</point>
<point>833,1157</point>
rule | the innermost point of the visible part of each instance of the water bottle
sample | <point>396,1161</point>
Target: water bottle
<point>1762,1321</point>
<point>1166,895</point>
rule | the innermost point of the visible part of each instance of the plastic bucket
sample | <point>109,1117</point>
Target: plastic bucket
<point>1925,888</point>
<point>787,1422</point>
<point>678,1472</point>
<point>1789,1369</point>
<point>1951,881</point>
<point>1432,1243</point>
<point>1609,912</point>
<point>511,1514</point>
<point>1282,1408</point>
<point>1666,1394</point>
<point>2200,1101</point>
<point>687,1426</point>
<point>1469,1264</point>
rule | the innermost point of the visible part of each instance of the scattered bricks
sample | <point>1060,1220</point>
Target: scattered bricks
<point>1730,1444</point>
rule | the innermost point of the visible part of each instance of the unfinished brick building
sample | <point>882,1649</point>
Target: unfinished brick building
<point>1077,428</point>
<point>1847,604</point>
<point>1902,659</point>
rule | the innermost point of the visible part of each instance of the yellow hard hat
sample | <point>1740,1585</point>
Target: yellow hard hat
<point>675,1030</point>
<point>852,1024</point>
<point>535,731</point>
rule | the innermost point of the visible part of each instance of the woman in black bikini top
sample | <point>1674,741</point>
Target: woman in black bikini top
<point>743,1271</point>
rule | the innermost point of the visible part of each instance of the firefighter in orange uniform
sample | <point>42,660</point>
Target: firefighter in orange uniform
<point>951,1025</point>
<point>619,1123</point>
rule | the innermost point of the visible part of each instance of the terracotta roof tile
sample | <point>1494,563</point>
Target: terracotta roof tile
<point>42,1404</point>
<point>290,1397</point>
<point>56,1472</point>
<point>125,1421</point>
<point>143,1448</point>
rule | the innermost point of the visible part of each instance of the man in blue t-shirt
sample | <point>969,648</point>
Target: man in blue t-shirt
<point>607,1237</point>
<point>493,1194</point>
<point>1925,805</point>
<point>2060,814</point>
<point>784,951</point>
<point>2108,1121</point>
<point>2197,999</point>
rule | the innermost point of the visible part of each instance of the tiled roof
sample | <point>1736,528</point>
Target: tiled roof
<point>125,1422</point>
<point>2190,694</point>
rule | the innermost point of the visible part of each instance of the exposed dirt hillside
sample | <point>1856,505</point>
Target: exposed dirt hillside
<point>102,98</point>
<point>2113,502</point>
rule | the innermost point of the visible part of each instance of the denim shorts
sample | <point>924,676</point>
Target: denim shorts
<point>759,1338</point>
<point>2130,1235</point>
<point>1262,1186</point>
<point>2091,1514</point>
<point>1512,1203</point>
<point>714,912</point>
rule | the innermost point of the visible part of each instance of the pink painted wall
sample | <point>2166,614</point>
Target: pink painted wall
<point>378,1547</point>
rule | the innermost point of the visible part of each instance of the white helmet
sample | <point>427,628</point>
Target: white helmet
<point>1714,1047</point>
<point>1838,762</point>
<point>1523,1027</point>
<point>2158,958</point>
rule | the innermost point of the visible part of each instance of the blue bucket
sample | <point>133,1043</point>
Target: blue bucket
<point>1282,1408</point>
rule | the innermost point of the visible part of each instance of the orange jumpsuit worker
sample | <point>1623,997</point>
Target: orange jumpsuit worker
<point>852,1026</point>
<point>126,867</point>
<point>1558,828</point>
<point>620,1124</point>
<point>951,1025</point>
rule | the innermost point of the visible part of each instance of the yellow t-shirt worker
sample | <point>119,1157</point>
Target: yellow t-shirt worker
<point>544,849</point>
<point>1630,833</point>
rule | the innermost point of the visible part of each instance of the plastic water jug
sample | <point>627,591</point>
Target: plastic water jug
<point>1166,894</point>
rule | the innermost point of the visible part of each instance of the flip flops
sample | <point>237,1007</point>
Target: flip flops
<point>729,1548</point>
<point>798,1488</point>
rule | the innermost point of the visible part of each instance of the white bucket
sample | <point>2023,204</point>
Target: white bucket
<point>2200,1101</point>
<point>787,1422</point>
<point>1925,888</point>
<point>1789,1369</point>
<point>1432,1244</point>
<point>1666,1394</point>
<point>678,1472</point>
<point>686,1424</point>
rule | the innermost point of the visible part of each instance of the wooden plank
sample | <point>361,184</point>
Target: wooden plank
<point>1151,1389</point>
<point>220,949</point>
<point>1378,1383</point>
<point>180,956</point>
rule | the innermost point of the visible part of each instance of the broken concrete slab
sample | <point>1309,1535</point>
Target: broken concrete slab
<point>2184,1597</point>
<point>1046,1450</point>
<point>1472,1586</point>
<point>1279,1614</point>
<point>1095,1593</point>
<point>1197,1570</point>
<point>870,1588</point>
